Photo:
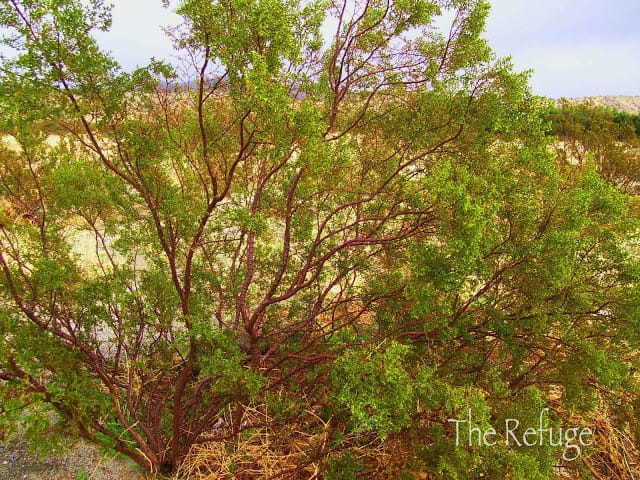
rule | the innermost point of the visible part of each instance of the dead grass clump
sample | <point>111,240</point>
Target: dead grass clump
<point>616,456</point>
<point>259,451</point>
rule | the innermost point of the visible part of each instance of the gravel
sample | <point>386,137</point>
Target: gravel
<point>81,461</point>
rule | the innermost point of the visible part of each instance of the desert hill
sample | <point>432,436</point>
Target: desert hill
<point>630,104</point>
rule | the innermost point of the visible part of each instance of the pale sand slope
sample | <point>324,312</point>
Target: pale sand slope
<point>622,103</point>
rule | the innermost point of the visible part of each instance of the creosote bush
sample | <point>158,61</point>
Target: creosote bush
<point>344,239</point>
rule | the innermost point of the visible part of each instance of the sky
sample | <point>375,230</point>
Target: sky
<point>575,48</point>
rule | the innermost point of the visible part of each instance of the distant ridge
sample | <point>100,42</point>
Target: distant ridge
<point>622,103</point>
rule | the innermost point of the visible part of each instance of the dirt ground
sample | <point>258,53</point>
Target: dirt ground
<point>81,462</point>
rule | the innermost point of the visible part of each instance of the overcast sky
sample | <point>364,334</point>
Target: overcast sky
<point>575,47</point>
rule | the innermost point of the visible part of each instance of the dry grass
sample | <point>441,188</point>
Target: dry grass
<point>268,450</point>
<point>617,456</point>
<point>258,452</point>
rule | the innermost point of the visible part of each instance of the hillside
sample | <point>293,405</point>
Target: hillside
<point>630,104</point>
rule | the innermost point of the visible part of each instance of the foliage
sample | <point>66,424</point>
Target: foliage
<point>602,135</point>
<point>375,388</point>
<point>367,236</point>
